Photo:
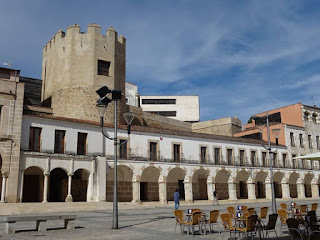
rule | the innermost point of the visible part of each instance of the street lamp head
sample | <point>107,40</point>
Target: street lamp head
<point>128,116</point>
<point>276,132</point>
<point>101,109</point>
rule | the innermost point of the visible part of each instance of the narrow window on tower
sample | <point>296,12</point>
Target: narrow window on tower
<point>103,68</point>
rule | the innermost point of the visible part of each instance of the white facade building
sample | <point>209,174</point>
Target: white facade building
<point>183,108</point>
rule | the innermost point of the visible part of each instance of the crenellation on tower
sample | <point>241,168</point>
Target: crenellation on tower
<point>74,60</point>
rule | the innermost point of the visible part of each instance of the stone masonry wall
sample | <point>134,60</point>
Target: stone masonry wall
<point>124,191</point>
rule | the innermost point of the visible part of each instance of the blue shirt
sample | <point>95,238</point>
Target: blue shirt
<point>176,196</point>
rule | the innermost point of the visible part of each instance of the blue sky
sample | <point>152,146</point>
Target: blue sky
<point>240,57</point>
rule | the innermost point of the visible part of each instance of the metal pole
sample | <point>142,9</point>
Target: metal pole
<point>115,190</point>
<point>274,206</point>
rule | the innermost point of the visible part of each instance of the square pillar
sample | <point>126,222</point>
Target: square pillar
<point>314,189</point>
<point>136,189</point>
<point>251,189</point>
<point>285,189</point>
<point>188,189</point>
<point>232,188</point>
<point>163,189</point>
<point>268,189</point>
<point>300,188</point>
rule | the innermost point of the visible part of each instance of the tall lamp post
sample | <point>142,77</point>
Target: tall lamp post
<point>102,105</point>
<point>276,131</point>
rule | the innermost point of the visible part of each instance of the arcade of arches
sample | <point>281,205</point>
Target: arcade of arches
<point>56,186</point>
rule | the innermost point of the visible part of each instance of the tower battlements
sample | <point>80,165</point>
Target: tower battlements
<point>75,60</point>
<point>74,30</point>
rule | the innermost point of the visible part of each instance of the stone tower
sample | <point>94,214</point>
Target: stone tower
<point>76,64</point>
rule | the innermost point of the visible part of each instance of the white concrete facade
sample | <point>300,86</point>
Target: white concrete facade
<point>138,173</point>
<point>183,108</point>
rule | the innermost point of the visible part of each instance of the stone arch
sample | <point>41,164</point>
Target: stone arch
<point>124,183</point>
<point>199,184</point>
<point>307,185</point>
<point>79,185</point>
<point>175,180</point>
<point>260,187</point>
<point>221,184</point>
<point>149,185</point>
<point>241,184</point>
<point>277,178</point>
<point>58,186</point>
<point>293,184</point>
<point>32,184</point>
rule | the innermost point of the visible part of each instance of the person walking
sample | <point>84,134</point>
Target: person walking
<point>176,199</point>
<point>215,197</point>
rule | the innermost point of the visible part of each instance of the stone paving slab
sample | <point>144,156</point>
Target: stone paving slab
<point>148,222</point>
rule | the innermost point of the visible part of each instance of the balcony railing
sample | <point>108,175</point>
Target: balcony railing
<point>223,162</point>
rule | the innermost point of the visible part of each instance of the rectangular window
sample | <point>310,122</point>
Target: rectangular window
<point>176,153</point>
<point>310,141</point>
<point>301,140</point>
<point>229,155</point>
<point>274,162</point>
<point>158,101</point>
<point>59,141</point>
<point>153,151</point>
<point>123,149</point>
<point>34,139</point>
<point>292,139</point>
<point>103,68</point>
<point>253,158</point>
<point>203,156</point>
<point>284,160</point>
<point>294,165</point>
<point>264,158</point>
<point>303,163</point>
<point>82,144</point>
<point>318,143</point>
<point>217,155</point>
<point>242,157</point>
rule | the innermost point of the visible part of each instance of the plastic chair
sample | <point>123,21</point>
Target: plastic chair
<point>303,208</point>
<point>283,215</point>
<point>196,210</point>
<point>227,224</point>
<point>244,209</point>
<point>232,212</point>
<point>179,220</point>
<point>249,227</point>
<point>314,207</point>
<point>271,225</point>
<point>264,212</point>
<point>284,206</point>
<point>251,211</point>
<point>213,219</point>
<point>195,221</point>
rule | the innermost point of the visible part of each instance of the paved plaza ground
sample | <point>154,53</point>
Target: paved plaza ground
<point>136,221</point>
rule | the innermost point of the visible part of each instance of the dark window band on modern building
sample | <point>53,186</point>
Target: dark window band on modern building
<point>165,113</point>
<point>158,101</point>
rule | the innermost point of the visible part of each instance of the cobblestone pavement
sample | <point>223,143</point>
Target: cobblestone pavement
<point>154,222</point>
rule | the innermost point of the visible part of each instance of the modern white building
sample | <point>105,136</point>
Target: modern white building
<point>183,108</point>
